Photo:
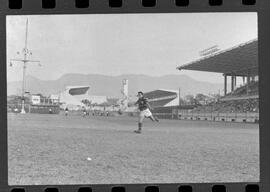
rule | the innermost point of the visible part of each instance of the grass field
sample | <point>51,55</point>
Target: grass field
<point>53,149</point>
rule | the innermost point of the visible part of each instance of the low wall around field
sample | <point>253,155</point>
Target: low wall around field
<point>247,117</point>
<point>41,109</point>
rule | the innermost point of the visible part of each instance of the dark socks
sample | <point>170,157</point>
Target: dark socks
<point>140,126</point>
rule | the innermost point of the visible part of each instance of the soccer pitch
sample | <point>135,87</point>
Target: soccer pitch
<point>54,149</point>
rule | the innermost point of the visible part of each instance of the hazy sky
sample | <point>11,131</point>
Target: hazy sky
<point>114,44</point>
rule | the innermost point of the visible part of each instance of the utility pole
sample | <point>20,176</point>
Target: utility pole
<point>25,62</point>
<point>179,103</point>
<point>179,94</point>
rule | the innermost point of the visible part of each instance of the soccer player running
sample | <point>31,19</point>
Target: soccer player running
<point>84,112</point>
<point>144,108</point>
<point>66,111</point>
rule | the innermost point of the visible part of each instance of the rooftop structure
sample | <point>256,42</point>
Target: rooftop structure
<point>238,61</point>
<point>73,96</point>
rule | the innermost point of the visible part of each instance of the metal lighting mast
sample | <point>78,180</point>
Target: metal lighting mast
<point>25,62</point>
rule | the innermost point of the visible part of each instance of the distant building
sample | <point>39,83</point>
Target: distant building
<point>54,98</point>
<point>35,99</point>
<point>73,96</point>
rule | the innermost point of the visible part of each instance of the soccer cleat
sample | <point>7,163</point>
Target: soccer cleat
<point>157,120</point>
<point>137,131</point>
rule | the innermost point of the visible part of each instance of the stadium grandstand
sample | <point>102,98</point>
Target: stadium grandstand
<point>164,102</point>
<point>240,103</point>
<point>73,97</point>
<point>162,98</point>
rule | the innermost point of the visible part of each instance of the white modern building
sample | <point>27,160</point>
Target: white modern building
<point>73,96</point>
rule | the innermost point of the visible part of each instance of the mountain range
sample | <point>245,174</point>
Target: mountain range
<point>111,85</point>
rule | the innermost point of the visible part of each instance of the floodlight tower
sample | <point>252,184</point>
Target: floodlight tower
<point>25,62</point>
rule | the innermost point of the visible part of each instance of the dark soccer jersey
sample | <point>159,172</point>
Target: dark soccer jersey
<point>143,103</point>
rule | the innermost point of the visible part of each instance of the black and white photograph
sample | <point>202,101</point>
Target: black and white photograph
<point>132,98</point>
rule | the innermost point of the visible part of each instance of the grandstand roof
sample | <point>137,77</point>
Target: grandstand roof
<point>239,60</point>
<point>160,94</point>
<point>77,86</point>
<point>162,97</point>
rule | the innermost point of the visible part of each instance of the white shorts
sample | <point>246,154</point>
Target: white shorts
<point>145,113</point>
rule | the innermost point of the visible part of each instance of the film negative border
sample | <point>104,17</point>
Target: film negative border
<point>51,4</point>
<point>143,188</point>
<point>262,7</point>
<point>127,6</point>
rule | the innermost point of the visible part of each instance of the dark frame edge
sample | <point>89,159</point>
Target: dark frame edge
<point>263,10</point>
